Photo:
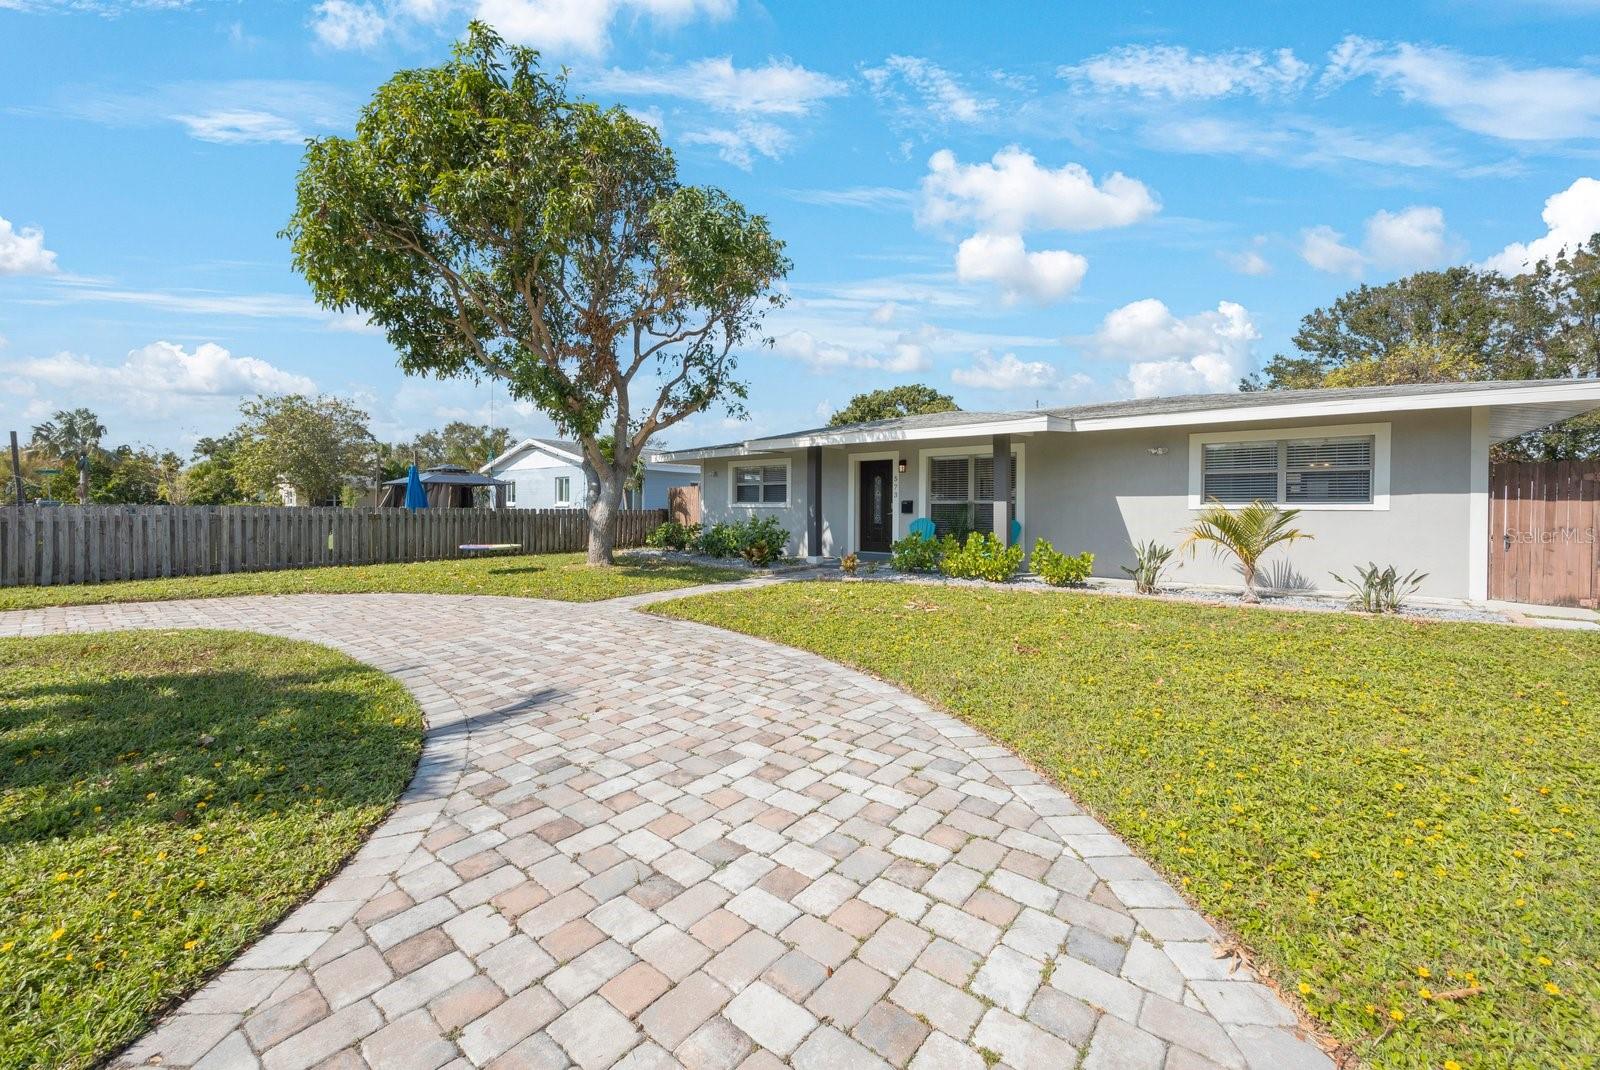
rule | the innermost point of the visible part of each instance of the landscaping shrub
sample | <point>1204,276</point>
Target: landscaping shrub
<point>672,535</point>
<point>1059,569</point>
<point>719,540</point>
<point>915,554</point>
<point>849,563</point>
<point>759,540</point>
<point>1149,561</point>
<point>1380,591</point>
<point>982,557</point>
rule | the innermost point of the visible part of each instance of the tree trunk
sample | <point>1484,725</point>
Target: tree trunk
<point>604,508</point>
<point>1250,585</point>
<point>83,482</point>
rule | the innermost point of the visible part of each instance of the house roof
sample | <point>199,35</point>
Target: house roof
<point>1515,407</point>
<point>565,448</point>
<point>452,474</point>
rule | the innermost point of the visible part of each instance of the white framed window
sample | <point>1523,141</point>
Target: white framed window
<point>961,492</point>
<point>758,485</point>
<point>1336,467</point>
<point>511,492</point>
<point>563,490</point>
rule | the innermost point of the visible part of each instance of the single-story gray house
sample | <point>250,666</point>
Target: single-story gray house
<point>547,473</point>
<point>1398,475</point>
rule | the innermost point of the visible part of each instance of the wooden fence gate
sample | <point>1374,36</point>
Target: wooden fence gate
<point>1543,522</point>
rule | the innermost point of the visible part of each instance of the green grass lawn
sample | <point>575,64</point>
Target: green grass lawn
<point>1391,814</point>
<point>560,576</point>
<point>164,796</point>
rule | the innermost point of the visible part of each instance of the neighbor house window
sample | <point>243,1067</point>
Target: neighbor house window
<point>1312,471</point>
<point>761,484</point>
<point>961,493</point>
<point>511,493</point>
<point>563,490</point>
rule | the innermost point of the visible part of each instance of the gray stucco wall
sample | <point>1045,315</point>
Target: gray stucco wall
<point>1103,491</point>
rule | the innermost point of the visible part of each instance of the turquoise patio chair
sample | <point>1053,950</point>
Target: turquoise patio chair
<point>922,528</point>
<point>1016,531</point>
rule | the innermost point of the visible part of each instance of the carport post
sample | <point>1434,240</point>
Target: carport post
<point>814,503</point>
<point>1002,489</point>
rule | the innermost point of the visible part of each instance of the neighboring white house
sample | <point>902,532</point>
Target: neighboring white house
<point>547,473</point>
<point>1394,474</point>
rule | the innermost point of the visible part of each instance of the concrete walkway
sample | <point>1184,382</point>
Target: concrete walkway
<point>636,842</point>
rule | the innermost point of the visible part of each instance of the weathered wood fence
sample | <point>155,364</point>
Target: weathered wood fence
<point>44,545</point>
<point>1544,533</point>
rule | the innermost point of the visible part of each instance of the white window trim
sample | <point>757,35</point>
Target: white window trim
<point>555,491</point>
<point>1379,434</point>
<point>1019,451</point>
<point>853,495</point>
<point>511,493</point>
<point>788,484</point>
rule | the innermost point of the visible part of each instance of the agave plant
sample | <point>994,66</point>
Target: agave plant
<point>1149,560</point>
<point>1246,534</point>
<point>1380,590</point>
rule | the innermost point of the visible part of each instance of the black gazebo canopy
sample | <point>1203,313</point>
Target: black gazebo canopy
<point>448,486</point>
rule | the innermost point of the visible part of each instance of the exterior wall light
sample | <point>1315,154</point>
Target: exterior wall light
<point>902,466</point>
<point>1157,451</point>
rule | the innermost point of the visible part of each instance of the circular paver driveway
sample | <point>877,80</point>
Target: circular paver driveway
<point>643,843</point>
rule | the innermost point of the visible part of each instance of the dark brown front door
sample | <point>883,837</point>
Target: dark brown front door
<point>876,507</point>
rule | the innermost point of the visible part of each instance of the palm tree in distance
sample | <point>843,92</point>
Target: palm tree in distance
<point>68,436</point>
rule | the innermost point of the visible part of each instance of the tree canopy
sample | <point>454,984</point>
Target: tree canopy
<point>311,444</point>
<point>492,224</point>
<point>1461,324</point>
<point>912,399</point>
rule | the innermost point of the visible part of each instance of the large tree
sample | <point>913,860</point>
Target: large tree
<point>912,399</point>
<point>1461,325</point>
<point>71,438</point>
<point>314,445</point>
<point>495,225</point>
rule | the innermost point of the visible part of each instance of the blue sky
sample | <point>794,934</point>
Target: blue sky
<point>1019,203</point>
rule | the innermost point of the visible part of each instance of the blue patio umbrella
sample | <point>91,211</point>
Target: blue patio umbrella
<point>416,497</point>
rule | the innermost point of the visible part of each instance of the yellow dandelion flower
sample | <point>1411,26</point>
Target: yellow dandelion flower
<point>1398,1015</point>
<point>1451,1064</point>
<point>1545,960</point>
<point>8,945</point>
<point>1305,989</point>
<point>1552,988</point>
<point>190,945</point>
<point>58,934</point>
<point>1424,993</point>
<point>1423,971</point>
<point>200,850</point>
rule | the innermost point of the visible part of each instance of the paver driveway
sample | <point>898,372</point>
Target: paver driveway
<point>645,843</point>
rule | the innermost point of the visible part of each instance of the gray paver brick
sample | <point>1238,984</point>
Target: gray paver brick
<point>658,803</point>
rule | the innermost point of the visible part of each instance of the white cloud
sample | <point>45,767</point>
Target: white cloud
<point>1175,73</point>
<point>342,24</point>
<point>241,128</point>
<point>1203,353</point>
<point>781,87</point>
<point>740,145</point>
<point>1411,239</point>
<point>1249,261</point>
<point>1012,194</point>
<point>1005,372</point>
<point>1571,216</point>
<point>939,95</point>
<point>585,25</point>
<point>1003,259</point>
<point>160,375</point>
<point>1481,94</point>
<point>878,198</point>
<point>905,353</point>
<point>1324,249</point>
<point>22,251</point>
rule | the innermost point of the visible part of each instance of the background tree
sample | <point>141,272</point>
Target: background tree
<point>494,225</point>
<point>913,399</point>
<point>1461,325</point>
<point>473,445</point>
<point>313,445</point>
<point>210,480</point>
<point>66,437</point>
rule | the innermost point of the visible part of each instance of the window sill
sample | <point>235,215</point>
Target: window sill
<point>758,505</point>
<point>1308,507</point>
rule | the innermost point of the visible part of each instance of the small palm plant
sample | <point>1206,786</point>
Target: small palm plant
<point>1246,534</point>
<point>1381,590</point>
<point>1150,560</point>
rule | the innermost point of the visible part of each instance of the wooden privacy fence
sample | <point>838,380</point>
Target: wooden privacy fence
<point>44,545</point>
<point>1543,522</point>
<point>683,504</point>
